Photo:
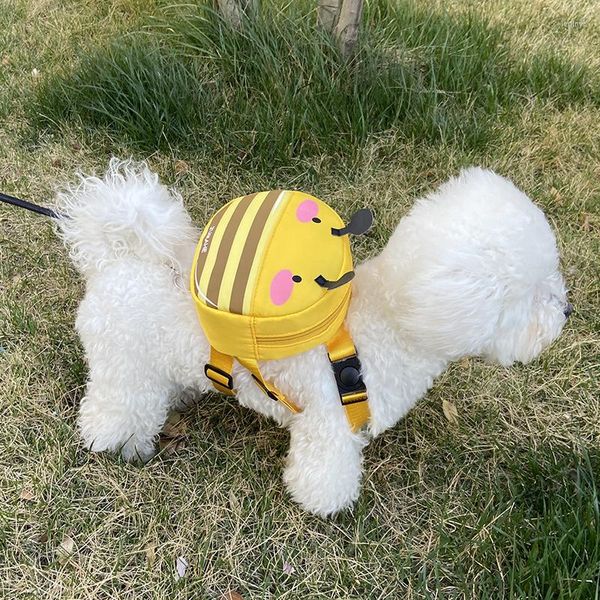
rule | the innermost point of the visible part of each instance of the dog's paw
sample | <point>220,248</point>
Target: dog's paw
<point>137,451</point>
<point>321,491</point>
<point>133,450</point>
<point>101,434</point>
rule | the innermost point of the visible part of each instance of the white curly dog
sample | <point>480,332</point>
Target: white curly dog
<point>473,270</point>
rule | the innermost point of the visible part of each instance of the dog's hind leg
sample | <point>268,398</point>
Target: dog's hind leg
<point>125,418</point>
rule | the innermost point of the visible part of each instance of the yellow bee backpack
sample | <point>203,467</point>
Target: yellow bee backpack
<point>271,278</point>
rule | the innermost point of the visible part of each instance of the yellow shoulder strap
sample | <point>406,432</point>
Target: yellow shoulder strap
<point>346,367</point>
<point>218,370</point>
<point>268,388</point>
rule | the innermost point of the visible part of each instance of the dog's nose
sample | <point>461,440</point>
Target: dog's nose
<point>568,310</point>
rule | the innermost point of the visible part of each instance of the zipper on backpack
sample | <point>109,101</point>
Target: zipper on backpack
<point>315,330</point>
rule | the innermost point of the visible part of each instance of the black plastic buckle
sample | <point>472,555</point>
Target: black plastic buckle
<point>227,376</point>
<point>348,377</point>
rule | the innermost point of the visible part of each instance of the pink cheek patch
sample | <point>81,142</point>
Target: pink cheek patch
<point>282,286</point>
<point>306,211</point>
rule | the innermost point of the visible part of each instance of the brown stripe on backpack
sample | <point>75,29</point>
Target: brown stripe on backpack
<point>206,242</point>
<point>216,277</point>
<point>248,253</point>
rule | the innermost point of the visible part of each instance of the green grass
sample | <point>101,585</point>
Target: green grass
<point>503,504</point>
<point>536,533</point>
<point>188,80</point>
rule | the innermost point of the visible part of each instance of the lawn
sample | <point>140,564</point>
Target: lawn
<point>503,502</point>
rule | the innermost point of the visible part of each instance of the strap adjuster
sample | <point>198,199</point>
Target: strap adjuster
<point>226,381</point>
<point>265,389</point>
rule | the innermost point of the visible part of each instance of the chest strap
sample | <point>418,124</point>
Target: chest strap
<point>219,369</point>
<point>267,387</point>
<point>346,368</point>
<point>351,387</point>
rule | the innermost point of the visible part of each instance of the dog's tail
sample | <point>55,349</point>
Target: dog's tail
<point>125,213</point>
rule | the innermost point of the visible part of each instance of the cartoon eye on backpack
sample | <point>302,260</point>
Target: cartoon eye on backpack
<point>271,279</point>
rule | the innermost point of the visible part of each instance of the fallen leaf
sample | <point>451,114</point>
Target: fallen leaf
<point>173,436</point>
<point>176,426</point>
<point>450,411</point>
<point>65,550</point>
<point>586,225</point>
<point>234,501</point>
<point>590,222</point>
<point>181,565</point>
<point>56,162</point>
<point>42,538</point>
<point>27,494</point>
<point>5,61</point>
<point>231,595</point>
<point>557,195</point>
<point>181,167</point>
<point>170,445</point>
<point>288,569</point>
<point>150,555</point>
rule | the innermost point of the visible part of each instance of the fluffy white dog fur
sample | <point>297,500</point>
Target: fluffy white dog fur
<point>471,271</point>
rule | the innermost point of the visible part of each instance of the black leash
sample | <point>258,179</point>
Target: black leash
<point>40,210</point>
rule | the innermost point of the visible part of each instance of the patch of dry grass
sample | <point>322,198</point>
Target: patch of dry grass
<point>447,510</point>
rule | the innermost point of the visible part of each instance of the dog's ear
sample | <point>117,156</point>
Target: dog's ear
<point>449,313</point>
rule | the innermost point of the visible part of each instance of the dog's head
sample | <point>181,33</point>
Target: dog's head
<point>474,270</point>
<point>530,323</point>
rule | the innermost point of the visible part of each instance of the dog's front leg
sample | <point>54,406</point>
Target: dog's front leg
<point>124,416</point>
<point>324,464</point>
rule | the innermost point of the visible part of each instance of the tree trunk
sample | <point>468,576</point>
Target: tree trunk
<point>346,30</point>
<point>233,11</point>
<point>327,14</point>
<point>251,7</point>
